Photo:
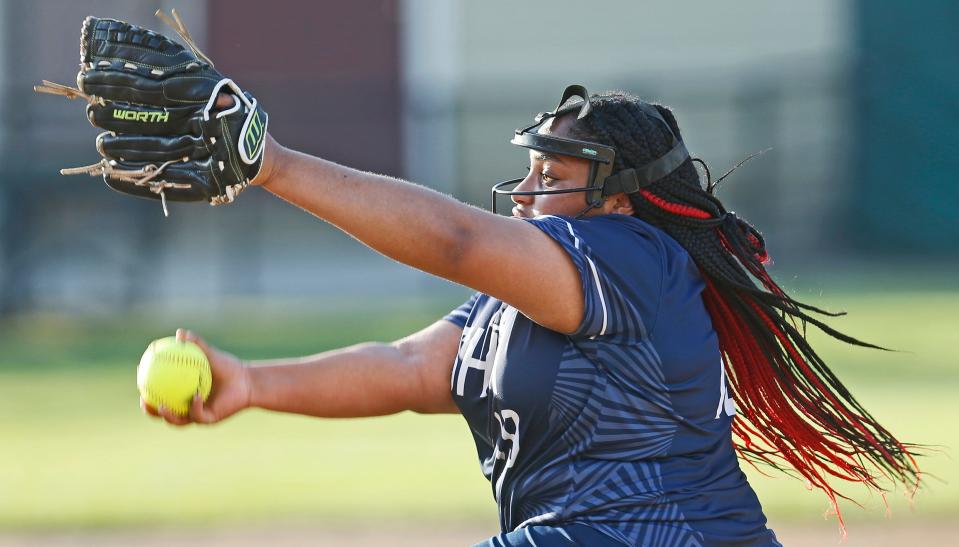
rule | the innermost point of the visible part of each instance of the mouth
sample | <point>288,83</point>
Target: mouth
<point>519,213</point>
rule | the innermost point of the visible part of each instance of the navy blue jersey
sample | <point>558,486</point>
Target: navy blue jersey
<point>623,425</point>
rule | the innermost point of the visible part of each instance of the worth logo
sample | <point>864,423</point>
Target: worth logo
<point>135,116</point>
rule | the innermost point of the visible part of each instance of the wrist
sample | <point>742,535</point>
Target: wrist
<point>272,153</point>
<point>248,372</point>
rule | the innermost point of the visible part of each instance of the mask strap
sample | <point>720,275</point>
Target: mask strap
<point>569,93</point>
<point>588,208</point>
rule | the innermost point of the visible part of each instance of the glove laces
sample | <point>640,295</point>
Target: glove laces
<point>177,25</point>
<point>71,93</point>
<point>145,176</point>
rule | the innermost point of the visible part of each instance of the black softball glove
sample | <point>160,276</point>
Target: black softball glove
<point>164,137</point>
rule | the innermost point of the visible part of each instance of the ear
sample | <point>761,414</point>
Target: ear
<point>618,204</point>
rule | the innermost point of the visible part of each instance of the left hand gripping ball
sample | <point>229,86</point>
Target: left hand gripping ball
<point>171,373</point>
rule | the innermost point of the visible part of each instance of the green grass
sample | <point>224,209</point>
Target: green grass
<point>84,455</point>
<point>77,452</point>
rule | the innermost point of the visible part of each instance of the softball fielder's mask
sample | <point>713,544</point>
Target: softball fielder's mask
<point>602,182</point>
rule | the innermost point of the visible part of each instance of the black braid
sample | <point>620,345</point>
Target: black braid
<point>794,404</point>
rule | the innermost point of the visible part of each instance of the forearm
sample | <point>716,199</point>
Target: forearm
<point>407,222</point>
<point>363,380</point>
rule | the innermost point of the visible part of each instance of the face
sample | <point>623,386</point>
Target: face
<point>556,172</point>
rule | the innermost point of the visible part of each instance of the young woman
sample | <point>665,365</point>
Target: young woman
<point>618,316</point>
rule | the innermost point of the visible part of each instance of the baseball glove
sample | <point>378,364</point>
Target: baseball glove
<point>165,138</point>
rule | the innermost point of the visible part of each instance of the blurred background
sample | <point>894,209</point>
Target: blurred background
<point>857,200</point>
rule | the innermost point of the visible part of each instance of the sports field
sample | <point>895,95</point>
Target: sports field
<point>79,457</point>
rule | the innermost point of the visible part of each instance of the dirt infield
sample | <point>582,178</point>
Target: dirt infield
<point>883,534</point>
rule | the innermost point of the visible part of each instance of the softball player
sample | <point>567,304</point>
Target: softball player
<point>617,318</point>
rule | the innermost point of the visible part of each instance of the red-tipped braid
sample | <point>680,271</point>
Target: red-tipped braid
<point>791,408</point>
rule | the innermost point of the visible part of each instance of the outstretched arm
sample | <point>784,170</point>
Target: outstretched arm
<point>371,379</point>
<point>505,258</point>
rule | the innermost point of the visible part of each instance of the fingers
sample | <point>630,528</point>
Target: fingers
<point>200,413</point>
<point>197,414</point>
<point>148,409</point>
<point>183,335</point>
<point>224,101</point>
<point>171,418</point>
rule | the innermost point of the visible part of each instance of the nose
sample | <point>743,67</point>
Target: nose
<point>527,185</point>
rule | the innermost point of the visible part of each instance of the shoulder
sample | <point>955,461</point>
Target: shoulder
<point>623,263</point>
<point>613,238</point>
<point>609,234</point>
<point>623,229</point>
<point>614,227</point>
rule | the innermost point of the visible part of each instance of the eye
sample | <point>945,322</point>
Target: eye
<point>547,179</point>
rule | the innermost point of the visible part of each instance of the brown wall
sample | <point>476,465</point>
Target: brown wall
<point>327,73</point>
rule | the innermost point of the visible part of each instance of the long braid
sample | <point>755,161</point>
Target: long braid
<point>796,410</point>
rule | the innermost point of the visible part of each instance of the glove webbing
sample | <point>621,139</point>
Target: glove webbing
<point>179,27</point>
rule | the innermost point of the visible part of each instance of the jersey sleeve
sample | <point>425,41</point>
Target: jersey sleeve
<point>620,267</point>
<point>461,314</point>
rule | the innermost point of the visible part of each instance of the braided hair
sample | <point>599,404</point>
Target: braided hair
<point>796,411</point>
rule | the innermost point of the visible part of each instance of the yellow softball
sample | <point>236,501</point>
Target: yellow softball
<point>171,373</point>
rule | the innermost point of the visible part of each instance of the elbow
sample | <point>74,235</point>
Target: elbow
<point>426,391</point>
<point>410,368</point>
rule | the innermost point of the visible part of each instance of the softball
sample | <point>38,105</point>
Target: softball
<point>171,373</point>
